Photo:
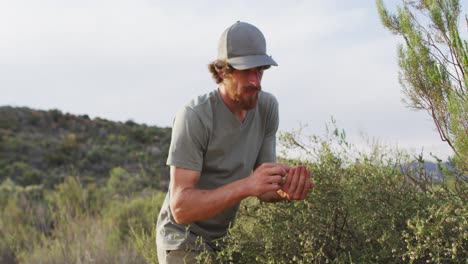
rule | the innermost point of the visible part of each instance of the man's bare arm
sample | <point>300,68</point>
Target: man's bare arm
<point>189,203</point>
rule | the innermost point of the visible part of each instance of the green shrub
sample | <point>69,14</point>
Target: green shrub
<point>86,235</point>
<point>122,183</point>
<point>144,243</point>
<point>143,235</point>
<point>22,174</point>
<point>439,235</point>
<point>70,198</point>
<point>24,219</point>
<point>80,240</point>
<point>139,213</point>
<point>364,209</point>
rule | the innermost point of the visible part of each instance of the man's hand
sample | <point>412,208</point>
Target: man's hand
<point>297,184</point>
<point>267,177</point>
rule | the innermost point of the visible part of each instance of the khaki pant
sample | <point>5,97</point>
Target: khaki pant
<point>177,256</point>
<point>180,257</point>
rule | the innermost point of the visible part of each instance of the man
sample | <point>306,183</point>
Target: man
<point>223,150</point>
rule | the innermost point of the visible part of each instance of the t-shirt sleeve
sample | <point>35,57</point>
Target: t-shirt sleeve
<point>188,141</point>
<point>268,149</point>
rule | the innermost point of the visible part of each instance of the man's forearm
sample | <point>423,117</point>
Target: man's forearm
<point>191,204</point>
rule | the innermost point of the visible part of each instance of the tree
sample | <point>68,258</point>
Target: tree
<point>434,65</point>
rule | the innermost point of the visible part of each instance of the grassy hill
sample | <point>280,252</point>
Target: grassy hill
<point>80,190</point>
<point>44,147</point>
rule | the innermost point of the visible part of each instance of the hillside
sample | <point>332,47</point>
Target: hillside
<point>43,147</point>
<point>365,209</point>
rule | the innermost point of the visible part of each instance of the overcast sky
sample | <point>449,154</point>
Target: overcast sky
<point>144,59</point>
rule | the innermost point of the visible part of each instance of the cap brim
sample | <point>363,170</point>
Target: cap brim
<point>248,62</point>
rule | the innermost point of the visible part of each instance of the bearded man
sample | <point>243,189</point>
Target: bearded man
<point>223,150</point>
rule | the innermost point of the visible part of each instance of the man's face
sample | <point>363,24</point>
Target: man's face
<point>243,87</point>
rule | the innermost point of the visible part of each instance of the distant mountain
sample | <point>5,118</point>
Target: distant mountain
<point>432,169</point>
<point>43,147</point>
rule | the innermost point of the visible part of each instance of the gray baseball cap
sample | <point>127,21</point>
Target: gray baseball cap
<point>243,46</point>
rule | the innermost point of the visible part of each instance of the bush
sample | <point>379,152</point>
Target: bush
<point>23,174</point>
<point>364,209</point>
<point>139,213</point>
<point>81,240</point>
<point>83,234</point>
<point>439,236</point>
<point>122,183</point>
<point>24,219</point>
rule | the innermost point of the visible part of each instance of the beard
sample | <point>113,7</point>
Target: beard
<point>246,99</point>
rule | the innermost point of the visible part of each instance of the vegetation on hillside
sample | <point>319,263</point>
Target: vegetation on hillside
<point>44,147</point>
<point>75,190</point>
<point>365,208</point>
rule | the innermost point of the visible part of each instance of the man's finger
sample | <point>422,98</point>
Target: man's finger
<point>301,183</point>
<point>294,181</point>
<point>277,170</point>
<point>276,179</point>
<point>273,187</point>
<point>285,167</point>
<point>307,184</point>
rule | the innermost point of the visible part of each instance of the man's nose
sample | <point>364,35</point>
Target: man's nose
<point>254,78</point>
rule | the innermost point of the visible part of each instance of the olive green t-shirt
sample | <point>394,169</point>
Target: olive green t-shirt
<point>207,137</point>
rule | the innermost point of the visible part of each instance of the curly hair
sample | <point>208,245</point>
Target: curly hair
<point>218,66</point>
